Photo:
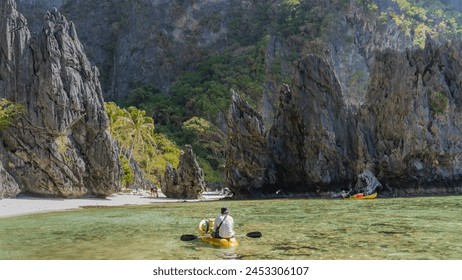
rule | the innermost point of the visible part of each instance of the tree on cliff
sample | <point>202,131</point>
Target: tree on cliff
<point>8,112</point>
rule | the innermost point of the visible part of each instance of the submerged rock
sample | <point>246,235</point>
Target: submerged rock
<point>61,146</point>
<point>187,182</point>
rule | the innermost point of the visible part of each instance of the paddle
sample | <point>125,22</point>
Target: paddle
<point>254,234</point>
<point>191,237</point>
<point>188,237</point>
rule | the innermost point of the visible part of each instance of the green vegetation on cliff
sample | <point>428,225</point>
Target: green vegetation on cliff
<point>263,41</point>
<point>439,102</point>
<point>419,18</point>
<point>9,111</point>
<point>176,119</point>
<point>198,97</point>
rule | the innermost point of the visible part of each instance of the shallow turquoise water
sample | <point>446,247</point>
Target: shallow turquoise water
<point>320,229</point>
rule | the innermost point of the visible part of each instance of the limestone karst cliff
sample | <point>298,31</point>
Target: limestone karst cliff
<point>309,148</point>
<point>60,147</point>
<point>413,118</point>
<point>330,124</point>
<point>246,149</point>
<point>153,41</point>
<point>407,133</point>
<point>309,142</point>
<point>188,52</point>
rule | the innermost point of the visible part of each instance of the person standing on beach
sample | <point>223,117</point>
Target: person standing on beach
<point>223,226</point>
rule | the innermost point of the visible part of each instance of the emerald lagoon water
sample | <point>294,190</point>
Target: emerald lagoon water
<point>426,228</point>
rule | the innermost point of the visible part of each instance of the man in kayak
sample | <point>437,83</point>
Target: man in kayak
<point>223,226</point>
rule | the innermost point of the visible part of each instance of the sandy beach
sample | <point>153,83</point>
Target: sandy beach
<point>23,205</point>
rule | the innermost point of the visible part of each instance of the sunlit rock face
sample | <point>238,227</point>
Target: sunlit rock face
<point>187,181</point>
<point>60,147</point>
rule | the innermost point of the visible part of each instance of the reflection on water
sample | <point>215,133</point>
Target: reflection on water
<point>401,228</point>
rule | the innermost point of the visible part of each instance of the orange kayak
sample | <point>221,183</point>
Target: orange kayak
<point>361,196</point>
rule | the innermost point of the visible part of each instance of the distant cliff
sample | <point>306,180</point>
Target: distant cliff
<point>135,43</point>
<point>154,42</point>
<point>60,147</point>
<point>144,42</point>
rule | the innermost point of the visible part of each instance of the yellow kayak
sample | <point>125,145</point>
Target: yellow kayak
<point>205,230</point>
<point>361,196</point>
<point>223,242</point>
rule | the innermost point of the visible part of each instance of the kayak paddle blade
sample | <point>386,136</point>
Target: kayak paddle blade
<point>254,234</point>
<point>188,237</point>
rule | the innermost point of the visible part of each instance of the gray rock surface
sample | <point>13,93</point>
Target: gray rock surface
<point>61,146</point>
<point>8,186</point>
<point>408,132</point>
<point>413,114</point>
<point>246,149</point>
<point>115,37</point>
<point>309,143</point>
<point>367,183</point>
<point>186,182</point>
<point>143,42</point>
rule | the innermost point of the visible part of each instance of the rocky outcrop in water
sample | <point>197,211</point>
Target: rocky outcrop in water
<point>309,143</point>
<point>413,114</point>
<point>408,133</point>
<point>61,146</point>
<point>186,182</point>
<point>246,149</point>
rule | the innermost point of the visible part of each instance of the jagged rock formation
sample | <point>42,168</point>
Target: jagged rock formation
<point>187,182</point>
<point>61,146</point>
<point>309,143</point>
<point>310,147</point>
<point>408,133</point>
<point>246,148</point>
<point>413,114</point>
